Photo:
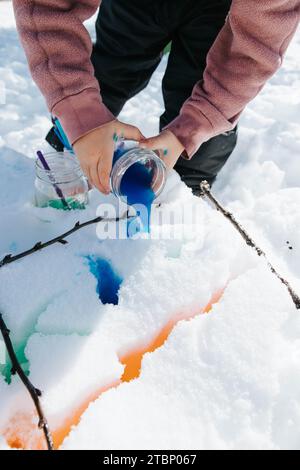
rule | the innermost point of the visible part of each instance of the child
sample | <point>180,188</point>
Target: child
<point>222,53</point>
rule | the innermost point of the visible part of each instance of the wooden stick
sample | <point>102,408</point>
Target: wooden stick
<point>206,191</point>
<point>33,391</point>
<point>59,239</point>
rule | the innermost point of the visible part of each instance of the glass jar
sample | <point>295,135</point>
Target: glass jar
<point>64,186</point>
<point>143,164</point>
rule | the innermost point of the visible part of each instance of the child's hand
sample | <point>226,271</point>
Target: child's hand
<point>95,151</point>
<point>168,146</point>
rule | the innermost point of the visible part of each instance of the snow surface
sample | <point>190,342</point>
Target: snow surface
<point>226,380</point>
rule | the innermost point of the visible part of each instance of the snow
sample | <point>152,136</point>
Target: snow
<point>80,365</point>
<point>213,397</point>
<point>224,380</point>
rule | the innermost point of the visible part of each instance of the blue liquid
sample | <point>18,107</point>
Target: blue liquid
<point>120,150</point>
<point>109,282</point>
<point>136,186</point>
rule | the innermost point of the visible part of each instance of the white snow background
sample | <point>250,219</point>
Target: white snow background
<point>226,380</point>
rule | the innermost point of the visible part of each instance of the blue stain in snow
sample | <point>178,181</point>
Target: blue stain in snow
<point>109,282</point>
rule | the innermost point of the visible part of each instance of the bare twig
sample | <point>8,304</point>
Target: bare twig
<point>206,191</point>
<point>34,392</point>
<point>59,239</point>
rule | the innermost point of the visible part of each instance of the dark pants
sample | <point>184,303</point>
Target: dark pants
<point>131,35</point>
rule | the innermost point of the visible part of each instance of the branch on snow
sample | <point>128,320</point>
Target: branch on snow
<point>59,239</point>
<point>33,391</point>
<point>206,191</point>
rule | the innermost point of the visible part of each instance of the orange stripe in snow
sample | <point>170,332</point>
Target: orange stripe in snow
<point>22,433</point>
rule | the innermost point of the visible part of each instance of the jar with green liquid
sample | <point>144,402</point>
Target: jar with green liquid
<point>65,173</point>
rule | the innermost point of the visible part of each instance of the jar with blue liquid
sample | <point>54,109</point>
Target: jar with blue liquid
<point>136,171</point>
<point>138,177</point>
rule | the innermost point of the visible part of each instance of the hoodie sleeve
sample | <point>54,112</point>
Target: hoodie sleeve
<point>245,54</point>
<point>58,50</point>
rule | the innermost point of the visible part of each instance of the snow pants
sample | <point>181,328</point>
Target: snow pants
<point>130,39</point>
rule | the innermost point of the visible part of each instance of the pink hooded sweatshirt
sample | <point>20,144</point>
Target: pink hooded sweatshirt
<point>245,54</point>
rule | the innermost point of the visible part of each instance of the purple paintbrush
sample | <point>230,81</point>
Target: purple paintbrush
<point>55,186</point>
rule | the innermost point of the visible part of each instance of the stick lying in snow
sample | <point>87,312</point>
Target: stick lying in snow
<point>205,191</point>
<point>59,239</point>
<point>34,392</point>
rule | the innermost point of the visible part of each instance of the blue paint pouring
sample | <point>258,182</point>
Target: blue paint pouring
<point>136,186</point>
<point>109,282</point>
